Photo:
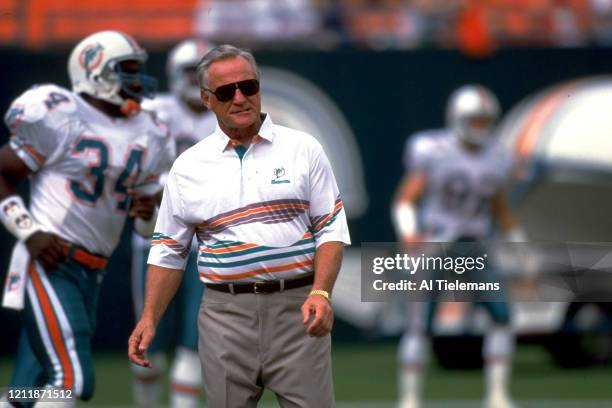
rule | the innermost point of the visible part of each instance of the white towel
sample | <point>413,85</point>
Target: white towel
<point>17,278</point>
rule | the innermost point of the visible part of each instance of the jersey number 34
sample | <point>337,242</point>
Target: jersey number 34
<point>97,171</point>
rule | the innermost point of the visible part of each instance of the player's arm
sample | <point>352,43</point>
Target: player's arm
<point>47,248</point>
<point>404,214</point>
<point>12,171</point>
<point>505,219</point>
<point>162,284</point>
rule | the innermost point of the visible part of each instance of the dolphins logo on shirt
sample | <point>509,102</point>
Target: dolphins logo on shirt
<point>278,173</point>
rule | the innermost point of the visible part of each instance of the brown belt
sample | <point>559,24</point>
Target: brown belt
<point>84,257</point>
<point>263,286</point>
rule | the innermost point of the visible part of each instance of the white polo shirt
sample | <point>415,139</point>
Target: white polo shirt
<point>256,218</point>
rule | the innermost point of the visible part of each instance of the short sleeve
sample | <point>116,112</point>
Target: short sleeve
<point>171,241</point>
<point>39,124</point>
<point>327,215</point>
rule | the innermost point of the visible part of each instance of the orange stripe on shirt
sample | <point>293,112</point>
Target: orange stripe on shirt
<point>322,223</point>
<point>163,241</point>
<point>228,249</point>
<point>255,211</point>
<point>240,247</point>
<point>271,269</point>
<point>54,328</point>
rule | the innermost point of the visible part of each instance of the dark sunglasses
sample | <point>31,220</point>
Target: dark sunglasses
<point>224,93</point>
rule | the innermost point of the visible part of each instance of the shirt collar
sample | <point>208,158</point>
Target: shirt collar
<point>266,132</point>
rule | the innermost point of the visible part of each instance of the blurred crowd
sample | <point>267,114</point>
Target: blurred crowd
<point>476,25</point>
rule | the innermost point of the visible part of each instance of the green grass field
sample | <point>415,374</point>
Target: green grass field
<point>367,373</point>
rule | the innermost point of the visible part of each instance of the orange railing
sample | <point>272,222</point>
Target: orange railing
<point>477,26</point>
<point>58,23</point>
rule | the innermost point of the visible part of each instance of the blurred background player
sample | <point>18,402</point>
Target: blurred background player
<point>453,191</point>
<point>92,159</point>
<point>189,122</point>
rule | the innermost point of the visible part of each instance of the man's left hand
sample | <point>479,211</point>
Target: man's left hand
<point>319,309</point>
<point>139,341</point>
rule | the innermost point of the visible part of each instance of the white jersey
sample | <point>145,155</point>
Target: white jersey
<point>186,129</point>
<point>83,163</point>
<point>460,184</point>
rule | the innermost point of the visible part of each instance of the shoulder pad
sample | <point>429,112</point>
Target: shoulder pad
<point>38,103</point>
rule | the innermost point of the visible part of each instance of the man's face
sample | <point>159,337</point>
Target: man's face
<point>481,123</point>
<point>241,111</point>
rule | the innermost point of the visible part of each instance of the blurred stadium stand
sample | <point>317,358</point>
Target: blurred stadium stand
<point>476,26</point>
<point>38,24</point>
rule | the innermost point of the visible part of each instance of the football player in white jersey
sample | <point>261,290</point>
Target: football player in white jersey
<point>189,121</point>
<point>93,159</point>
<point>453,191</point>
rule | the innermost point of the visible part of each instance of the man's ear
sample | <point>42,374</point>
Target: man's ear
<point>205,98</point>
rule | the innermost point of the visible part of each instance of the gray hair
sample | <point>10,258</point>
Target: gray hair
<point>222,52</point>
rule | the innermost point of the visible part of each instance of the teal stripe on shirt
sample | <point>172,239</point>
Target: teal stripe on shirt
<point>252,250</point>
<point>256,260</point>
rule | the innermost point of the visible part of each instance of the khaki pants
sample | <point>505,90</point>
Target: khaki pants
<point>248,342</point>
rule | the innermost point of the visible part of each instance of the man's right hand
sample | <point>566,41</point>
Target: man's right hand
<point>139,342</point>
<point>46,248</point>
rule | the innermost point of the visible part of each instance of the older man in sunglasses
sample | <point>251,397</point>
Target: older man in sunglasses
<point>264,204</point>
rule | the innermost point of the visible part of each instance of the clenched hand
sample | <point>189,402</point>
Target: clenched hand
<point>46,248</point>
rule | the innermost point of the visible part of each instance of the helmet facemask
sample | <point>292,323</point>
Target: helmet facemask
<point>131,83</point>
<point>475,130</point>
